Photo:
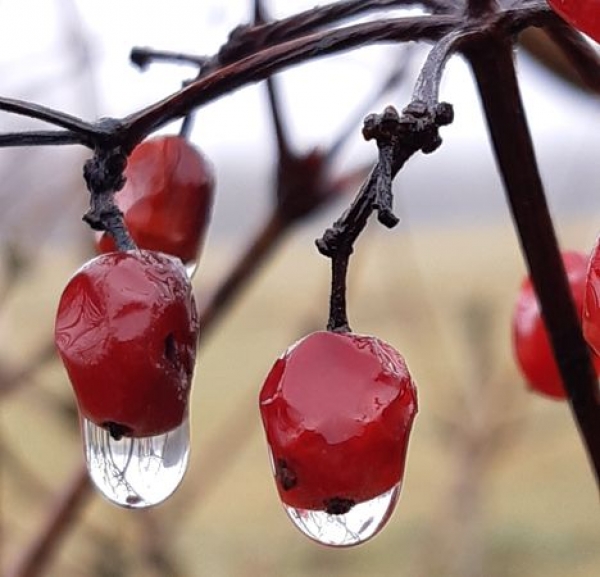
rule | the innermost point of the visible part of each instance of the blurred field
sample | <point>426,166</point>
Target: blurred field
<point>496,485</point>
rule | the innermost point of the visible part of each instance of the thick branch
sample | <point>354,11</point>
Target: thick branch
<point>494,70</point>
<point>47,115</point>
<point>42,138</point>
<point>267,62</point>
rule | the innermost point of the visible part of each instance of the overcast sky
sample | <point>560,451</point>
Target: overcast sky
<point>40,40</point>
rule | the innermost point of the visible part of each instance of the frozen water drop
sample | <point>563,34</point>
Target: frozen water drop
<point>136,472</point>
<point>191,267</point>
<point>359,524</point>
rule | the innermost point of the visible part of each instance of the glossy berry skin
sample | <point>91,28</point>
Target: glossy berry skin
<point>591,301</point>
<point>167,198</point>
<point>337,409</point>
<point>530,338</point>
<point>126,331</point>
<point>582,14</point>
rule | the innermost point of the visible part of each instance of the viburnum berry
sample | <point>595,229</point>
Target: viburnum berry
<point>582,14</point>
<point>337,409</point>
<point>530,339</point>
<point>167,198</point>
<point>591,301</point>
<point>126,331</point>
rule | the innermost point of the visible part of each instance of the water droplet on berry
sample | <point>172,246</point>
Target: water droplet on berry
<point>136,472</point>
<point>360,523</point>
<point>191,267</point>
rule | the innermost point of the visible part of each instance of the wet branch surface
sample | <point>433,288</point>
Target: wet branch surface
<point>480,29</point>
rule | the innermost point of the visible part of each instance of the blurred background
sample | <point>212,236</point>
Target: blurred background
<point>497,483</point>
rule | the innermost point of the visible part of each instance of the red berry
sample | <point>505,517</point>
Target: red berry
<point>167,198</point>
<point>126,331</point>
<point>582,14</point>
<point>530,338</point>
<point>591,301</point>
<point>337,411</point>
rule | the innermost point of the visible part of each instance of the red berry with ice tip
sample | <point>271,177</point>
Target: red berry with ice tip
<point>582,14</point>
<point>337,409</point>
<point>126,331</point>
<point>530,338</point>
<point>167,198</point>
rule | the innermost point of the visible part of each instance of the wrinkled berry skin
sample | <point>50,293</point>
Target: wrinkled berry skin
<point>582,14</point>
<point>530,339</point>
<point>126,331</point>
<point>167,198</point>
<point>337,409</point>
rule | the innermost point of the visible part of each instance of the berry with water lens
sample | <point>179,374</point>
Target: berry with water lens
<point>126,331</point>
<point>337,409</point>
<point>167,198</point>
<point>582,14</point>
<point>530,339</point>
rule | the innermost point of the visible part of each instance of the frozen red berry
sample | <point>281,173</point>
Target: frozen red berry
<point>126,331</point>
<point>582,14</point>
<point>530,339</point>
<point>337,409</point>
<point>591,301</point>
<point>167,198</point>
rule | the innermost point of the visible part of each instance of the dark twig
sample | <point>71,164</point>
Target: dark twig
<point>143,57</point>
<point>255,65</point>
<point>43,137</point>
<point>494,70</point>
<point>427,87</point>
<point>103,174</point>
<point>270,61</point>
<point>479,8</point>
<point>45,114</point>
<point>398,138</point>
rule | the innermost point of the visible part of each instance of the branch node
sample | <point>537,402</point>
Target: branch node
<point>103,174</point>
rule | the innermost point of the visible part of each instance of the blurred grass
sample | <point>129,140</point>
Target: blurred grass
<point>497,483</point>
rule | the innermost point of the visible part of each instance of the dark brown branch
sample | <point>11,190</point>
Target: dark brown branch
<point>479,8</point>
<point>496,79</point>
<point>267,62</point>
<point>398,138</point>
<point>427,87</point>
<point>245,40</point>
<point>42,138</point>
<point>45,114</point>
<point>143,57</point>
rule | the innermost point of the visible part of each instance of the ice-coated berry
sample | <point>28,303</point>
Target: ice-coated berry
<point>530,339</point>
<point>582,14</point>
<point>126,331</point>
<point>167,198</point>
<point>337,409</point>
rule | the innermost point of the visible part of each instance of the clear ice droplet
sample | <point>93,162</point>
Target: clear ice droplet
<point>356,526</point>
<point>136,472</point>
<point>190,268</point>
